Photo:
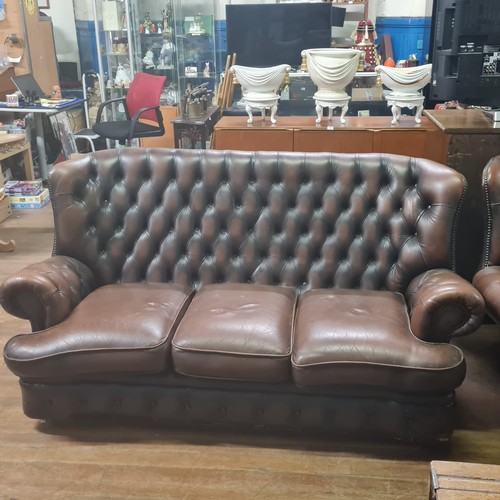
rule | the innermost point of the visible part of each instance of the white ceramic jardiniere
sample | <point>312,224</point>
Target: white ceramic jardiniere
<point>331,70</point>
<point>260,87</point>
<point>406,85</point>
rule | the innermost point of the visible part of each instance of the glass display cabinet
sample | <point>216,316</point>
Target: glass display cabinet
<point>136,35</point>
<point>115,54</point>
<point>154,43</point>
<point>133,36</point>
<point>195,43</point>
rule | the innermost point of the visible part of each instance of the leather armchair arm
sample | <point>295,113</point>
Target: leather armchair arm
<point>487,281</point>
<point>442,305</point>
<point>137,116</point>
<point>46,292</point>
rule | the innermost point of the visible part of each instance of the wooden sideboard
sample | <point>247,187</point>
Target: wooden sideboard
<point>357,135</point>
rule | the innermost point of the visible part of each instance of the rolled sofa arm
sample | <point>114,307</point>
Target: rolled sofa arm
<point>487,281</point>
<point>46,292</point>
<point>442,305</point>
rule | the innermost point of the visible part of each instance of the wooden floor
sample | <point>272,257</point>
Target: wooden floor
<point>103,461</point>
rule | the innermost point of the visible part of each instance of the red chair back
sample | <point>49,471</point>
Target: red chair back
<point>145,91</point>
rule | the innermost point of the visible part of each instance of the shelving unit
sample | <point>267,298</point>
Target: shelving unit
<point>155,44</point>
<point>128,45</point>
<point>195,42</point>
<point>115,50</point>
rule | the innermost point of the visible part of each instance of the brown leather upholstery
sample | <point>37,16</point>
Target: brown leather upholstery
<point>237,331</point>
<point>487,280</point>
<point>363,338</point>
<point>116,329</point>
<point>301,220</point>
<point>240,229</point>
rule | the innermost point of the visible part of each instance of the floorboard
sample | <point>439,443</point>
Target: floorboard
<point>103,460</point>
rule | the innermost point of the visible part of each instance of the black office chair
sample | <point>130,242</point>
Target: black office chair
<point>142,102</point>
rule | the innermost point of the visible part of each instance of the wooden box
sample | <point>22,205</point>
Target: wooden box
<point>5,209</point>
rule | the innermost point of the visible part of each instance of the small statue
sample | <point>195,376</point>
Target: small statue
<point>122,78</point>
<point>166,14</point>
<point>364,40</point>
<point>148,60</point>
<point>167,52</point>
<point>147,24</point>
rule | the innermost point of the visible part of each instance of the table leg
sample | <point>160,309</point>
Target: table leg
<point>28,164</point>
<point>40,144</point>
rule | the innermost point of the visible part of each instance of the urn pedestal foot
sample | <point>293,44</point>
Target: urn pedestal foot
<point>396,102</point>
<point>331,104</point>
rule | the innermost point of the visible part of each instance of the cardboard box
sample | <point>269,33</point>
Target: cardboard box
<point>367,93</point>
<point>112,16</point>
<point>23,202</point>
<point>5,208</point>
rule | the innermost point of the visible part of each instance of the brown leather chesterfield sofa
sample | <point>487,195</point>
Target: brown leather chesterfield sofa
<point>308,291</point>
<point>487,280</point>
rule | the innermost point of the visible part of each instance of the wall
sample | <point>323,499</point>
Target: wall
<point>63,21</point>
<point>84,10</point>
<point>402,8</point>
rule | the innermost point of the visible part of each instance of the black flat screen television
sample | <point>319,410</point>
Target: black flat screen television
<point>270,34</point>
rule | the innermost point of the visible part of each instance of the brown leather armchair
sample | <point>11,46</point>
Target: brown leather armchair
<point>487,279</point>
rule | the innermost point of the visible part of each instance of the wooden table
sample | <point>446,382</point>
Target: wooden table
<point>10,145</point>
<point>464,481</point>
<point>193,133</point>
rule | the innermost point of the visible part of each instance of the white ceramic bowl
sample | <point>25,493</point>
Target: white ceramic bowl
<point>405,81</point>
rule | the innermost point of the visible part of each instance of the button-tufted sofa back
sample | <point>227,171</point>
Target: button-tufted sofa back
<point>307,220</point>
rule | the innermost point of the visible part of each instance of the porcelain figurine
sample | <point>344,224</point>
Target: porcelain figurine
<point>166,57</point>
<point>148,59</point>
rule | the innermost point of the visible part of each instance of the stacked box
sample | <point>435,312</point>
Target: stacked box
<point>24,188</point>
<point>23,202</point>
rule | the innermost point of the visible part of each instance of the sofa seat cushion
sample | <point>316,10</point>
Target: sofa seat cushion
<point>123,328</point>
<point>363,337</point>
<point>236,331</point>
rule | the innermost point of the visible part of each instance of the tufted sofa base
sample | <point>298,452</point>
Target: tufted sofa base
<point>373,414</point>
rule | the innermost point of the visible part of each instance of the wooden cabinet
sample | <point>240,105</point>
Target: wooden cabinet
<point>24,20</point>
<point>169,113</point>
<point>358,135</point>
<point>335,141</point>
<point>233,132</point>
